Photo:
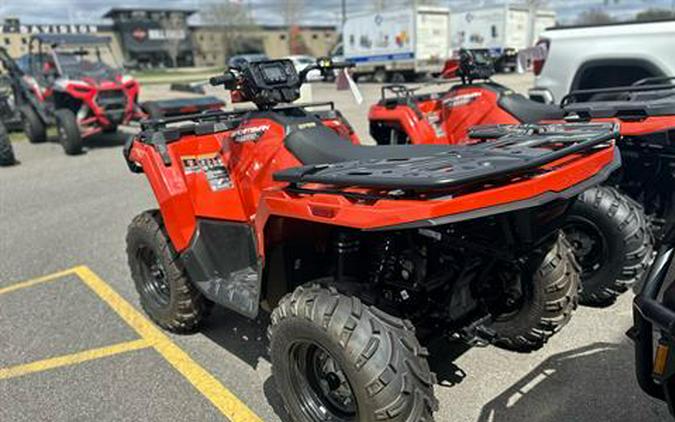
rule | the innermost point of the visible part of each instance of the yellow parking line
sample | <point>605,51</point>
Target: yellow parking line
<point>222,398</point>
<point>34,281</point>
<point>72,359</point>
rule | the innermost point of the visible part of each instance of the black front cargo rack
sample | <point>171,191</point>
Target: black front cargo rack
<point>501,151</point>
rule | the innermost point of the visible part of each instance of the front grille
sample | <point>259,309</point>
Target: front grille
<point>111,100</point>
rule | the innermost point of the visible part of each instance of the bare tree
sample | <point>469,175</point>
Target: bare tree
<point>594,17</point>
<point>173,34</point>
<point>292,12</point>
<point>233,23</point>
<point>653,14</point>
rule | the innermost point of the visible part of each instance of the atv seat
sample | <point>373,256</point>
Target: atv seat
<point>321,145</point>
<point>528,111</point>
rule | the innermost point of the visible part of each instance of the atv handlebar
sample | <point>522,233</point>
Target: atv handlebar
<point>226,79</point>
<point>271,82</point>
<point>323,64</point>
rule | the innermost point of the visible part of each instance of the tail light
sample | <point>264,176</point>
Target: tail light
<point>538,62</point>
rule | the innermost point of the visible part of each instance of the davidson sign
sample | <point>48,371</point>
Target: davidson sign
<point>50,29</point>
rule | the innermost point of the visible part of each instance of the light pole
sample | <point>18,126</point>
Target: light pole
<point>344,12</point>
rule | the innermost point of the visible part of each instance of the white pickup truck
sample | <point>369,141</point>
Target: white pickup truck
<point>587,57</point>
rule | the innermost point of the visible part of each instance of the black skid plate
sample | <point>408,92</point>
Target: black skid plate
<point>500,152</point>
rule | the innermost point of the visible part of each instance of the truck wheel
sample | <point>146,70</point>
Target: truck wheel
<point>33,126</point>
<point>612,242</point>
<point>69,132</point>
<point>6,151</point>
<point>167,295</point>
<point>398,77</point>
<point>380,76</point>
<point>550,294</point>
<point>336,359</point>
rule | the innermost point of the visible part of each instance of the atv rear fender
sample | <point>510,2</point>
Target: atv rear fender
<point>178,174</point>
<point>412,118</point>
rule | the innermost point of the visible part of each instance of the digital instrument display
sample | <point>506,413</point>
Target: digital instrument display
<point>273,73</point>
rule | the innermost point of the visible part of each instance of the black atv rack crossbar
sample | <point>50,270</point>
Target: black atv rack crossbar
<point>567,99</point>
<point>515,151</point>
<point>157,133</point>
<point>654,79</point>
<point>403,95</point>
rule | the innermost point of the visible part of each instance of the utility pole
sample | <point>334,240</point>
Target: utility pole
<point>532,9</point>
<point>344,12</point>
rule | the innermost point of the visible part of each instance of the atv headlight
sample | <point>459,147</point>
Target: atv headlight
<point>127,80</point>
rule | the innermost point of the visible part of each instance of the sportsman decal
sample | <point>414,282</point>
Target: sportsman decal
<point>248,134</point>
<point>461,100</point>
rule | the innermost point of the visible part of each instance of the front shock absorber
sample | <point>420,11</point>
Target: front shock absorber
<point>346,246</point>
<point>384,262</point>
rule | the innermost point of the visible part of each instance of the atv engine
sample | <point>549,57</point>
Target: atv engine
<point>423,275</point>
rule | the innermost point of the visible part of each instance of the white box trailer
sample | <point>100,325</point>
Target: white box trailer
<point>501,29</point>
<point>396,45</point>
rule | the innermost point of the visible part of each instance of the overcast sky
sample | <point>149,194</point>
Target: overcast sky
<point>267,11</point>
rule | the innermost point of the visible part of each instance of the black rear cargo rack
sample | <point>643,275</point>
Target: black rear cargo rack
<point>163,131</point>
<point>646,97</point>
<point>639,86</point>
<point>519,150</point>
<point>220,115</point>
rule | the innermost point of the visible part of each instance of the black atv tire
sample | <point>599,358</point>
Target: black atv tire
<point>380,76</point>
<point>33,126</point>
<point>69,132</point>
<point>377,360</point>
<point>110,129</point>
<point>6,151</point>
<point>166,293</point>
<point>550,298</point>
<point>612,242</point>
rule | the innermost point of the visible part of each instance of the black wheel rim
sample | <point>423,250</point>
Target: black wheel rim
<point>513,294</point>
<point>320,384</point>
<point>590,245</point>
<point>154,283</point>
<point>63,136</point>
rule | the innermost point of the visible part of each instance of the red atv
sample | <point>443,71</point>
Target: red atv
<point>65,80</point>
<point>6,118</point>
<point>6,150</point>
<point>363,253</point>
<point>607,226</point>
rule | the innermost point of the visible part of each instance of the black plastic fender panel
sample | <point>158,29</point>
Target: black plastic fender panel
<point>223,264</point>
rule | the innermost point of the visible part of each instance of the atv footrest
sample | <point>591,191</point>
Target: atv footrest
<point>512,151</point>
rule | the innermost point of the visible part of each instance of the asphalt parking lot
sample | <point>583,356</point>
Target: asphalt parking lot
<point>74,344</point>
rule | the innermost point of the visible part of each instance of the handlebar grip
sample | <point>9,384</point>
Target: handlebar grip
<point>224,79</point>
